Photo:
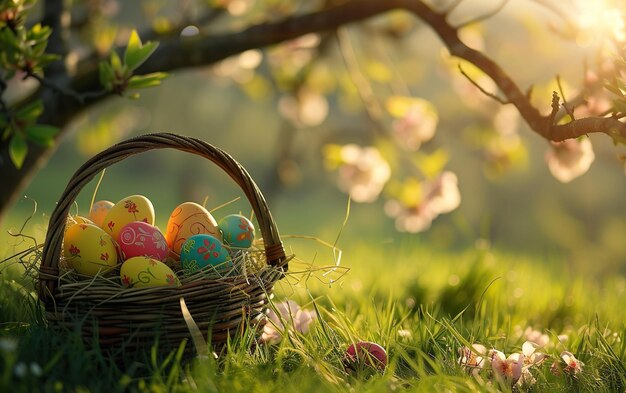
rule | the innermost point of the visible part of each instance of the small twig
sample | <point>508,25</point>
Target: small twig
<point>484,16</point>
<point>485,92</point>
<point>78,97</point>
<point>569,110</point>
<point>555,107</point>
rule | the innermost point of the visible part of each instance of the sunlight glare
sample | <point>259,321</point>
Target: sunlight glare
<point>599,20</point>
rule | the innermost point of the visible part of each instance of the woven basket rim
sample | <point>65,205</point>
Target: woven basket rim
<point>49,280</point>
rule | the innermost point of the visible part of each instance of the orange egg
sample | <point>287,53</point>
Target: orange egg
<point>99,211</point>
<point>186,220</point>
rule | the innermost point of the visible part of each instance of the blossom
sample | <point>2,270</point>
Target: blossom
<point>472,358</point>
<point>569,159</point>
<point>527,379</point>
<point>531,357</point>
<point>418,125</point>
<point>573,365</point>
<point>290,317</point>
<point>415,212</point>
<point>506,369</point>
<point>536,337</point>
<point>362,171</point>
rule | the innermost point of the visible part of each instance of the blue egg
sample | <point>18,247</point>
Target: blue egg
<point>200,251</point>
<point>237,231</point>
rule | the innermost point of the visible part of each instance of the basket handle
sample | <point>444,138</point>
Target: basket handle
<point>49,270</point>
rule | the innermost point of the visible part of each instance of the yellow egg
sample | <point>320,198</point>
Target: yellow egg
<point>186,220</point>
<point>89,249</point>
<point>99,211</point>
<point>129,209</point>
<point>140,272</point>
<point>71,220</point>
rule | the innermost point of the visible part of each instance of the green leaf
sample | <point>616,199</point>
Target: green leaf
<point>30,112</point>
<point>18,148</point>
<point>107,75</point>
<point>144,81</point>
<point>42,134</point>
<point>116,62</point>
<point>134,44</point>
<point>136,53</point>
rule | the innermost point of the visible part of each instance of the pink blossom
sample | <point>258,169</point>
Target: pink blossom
<point>536,337</point>
<point>531,357</point>
<point>506,369</point>
<point>572,365</point>
<point>473,359</point>
<point>362,171</point>
<point>569,159</point>
<point>290,317</point>
<point>431,199</point>
<point>418,125</point>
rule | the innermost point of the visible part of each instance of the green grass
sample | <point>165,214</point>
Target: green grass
<point>422,305</point>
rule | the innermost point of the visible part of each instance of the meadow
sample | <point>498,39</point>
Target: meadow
<point>422,304</point>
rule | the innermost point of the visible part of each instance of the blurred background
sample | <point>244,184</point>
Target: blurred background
<point>277,110</point>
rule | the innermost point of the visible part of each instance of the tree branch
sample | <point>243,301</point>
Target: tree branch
<point>175,53</point>
<point>537,122</point>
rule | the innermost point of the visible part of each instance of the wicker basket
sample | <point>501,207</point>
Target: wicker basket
<point>114,317</point>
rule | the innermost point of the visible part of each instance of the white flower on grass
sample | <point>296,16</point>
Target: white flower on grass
<point>537,337</point>
<point>531,357</point>
<point>290,317</point>
<point>35,369</point>
<point>473,359</point>
<point>569,159</point>
<point>505,369</point>
<point>20,370</point>
<point>572,365</point>
<point>526,380</point>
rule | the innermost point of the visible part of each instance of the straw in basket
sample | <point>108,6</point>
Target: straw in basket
<point>132,317</point>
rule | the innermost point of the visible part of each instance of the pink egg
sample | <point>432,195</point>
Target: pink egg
<point>366,353</point>
<point>139,238</point>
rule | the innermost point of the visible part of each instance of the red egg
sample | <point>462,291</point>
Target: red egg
<point>139,238</point>
<point>367,353</point>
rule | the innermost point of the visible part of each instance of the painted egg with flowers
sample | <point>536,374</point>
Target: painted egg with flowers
<point>88,249</point>
<point>237,231</point>
<point>139,238</point>
<point>142,272</point>
<point>200,251</point>
<point>127,210</point>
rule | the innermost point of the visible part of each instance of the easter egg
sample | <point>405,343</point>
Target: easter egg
<point>141,272</point>
<point>129,209</point>
<point>139,238</point>
<point>237,231</point>
<point>200,251</point>
<point>186,220</point>
<point>366,353</point>
<point>89,249</point>
<point>99,210</point>
<point>71,220</point>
